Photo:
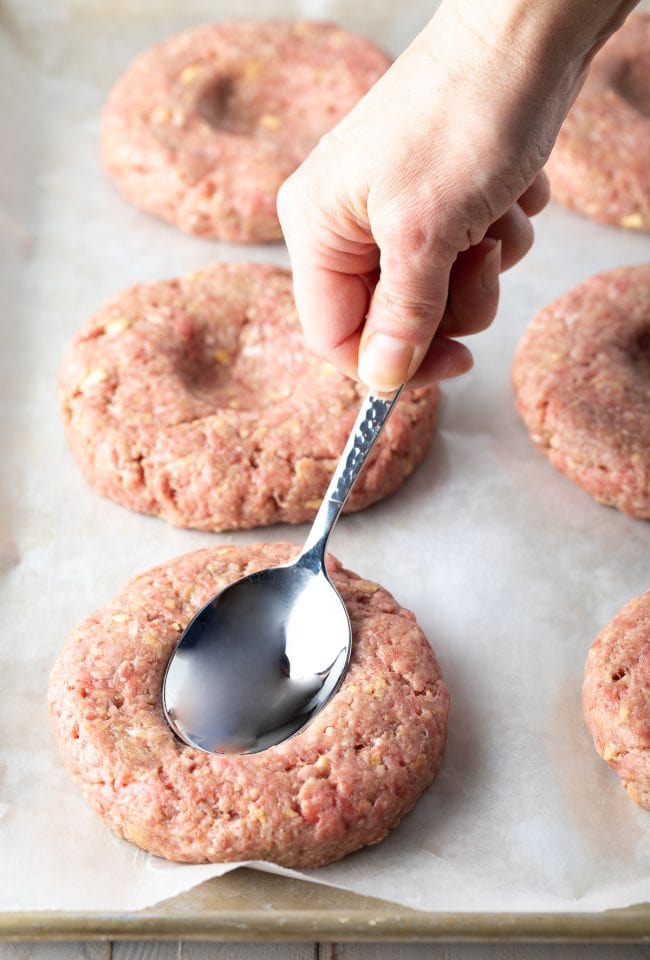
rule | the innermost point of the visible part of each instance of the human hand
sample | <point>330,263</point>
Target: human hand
<point>401,219</point>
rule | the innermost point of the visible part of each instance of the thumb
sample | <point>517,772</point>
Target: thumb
<point>406,307</point>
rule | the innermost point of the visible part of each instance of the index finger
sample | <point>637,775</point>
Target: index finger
<point>332,308</point>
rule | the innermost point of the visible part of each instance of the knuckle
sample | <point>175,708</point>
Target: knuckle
<point>315,342</point>
<point>474,218</point>
<point>480,321</point>
<point>465,324</point>
<point>281,202</point>
<point>519,245</point>
<point>528,239</point>
<point>288,198</point>
<point>413,240</point>
<point>404,311</point>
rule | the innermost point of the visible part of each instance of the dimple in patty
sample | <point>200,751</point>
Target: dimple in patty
<point>197,400</point>
<point>342,783</point>
<point>599,165</point>
<point>633,82</point>
<point>203,128</point>
<point>582,386</point>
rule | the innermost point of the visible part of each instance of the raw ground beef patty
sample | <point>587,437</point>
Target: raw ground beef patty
<point>344,782</point>
<point>581,377</point>
<point>599,165</point>
<point>197,400</point>
<point>203,128</point>
<point>616,696</point>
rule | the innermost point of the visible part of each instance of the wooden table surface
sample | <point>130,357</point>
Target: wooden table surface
<point>139,950</point>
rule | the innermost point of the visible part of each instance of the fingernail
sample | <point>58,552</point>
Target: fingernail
<point>492,267</point>
<point>384,362</point>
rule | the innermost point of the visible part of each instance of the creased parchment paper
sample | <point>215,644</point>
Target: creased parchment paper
<point>510,568</point>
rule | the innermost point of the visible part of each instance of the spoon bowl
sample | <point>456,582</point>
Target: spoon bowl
<point>264,655</point>
<point>285,636</point>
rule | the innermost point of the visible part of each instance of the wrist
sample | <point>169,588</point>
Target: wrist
<point>552,33</point>
<point>523,61</point>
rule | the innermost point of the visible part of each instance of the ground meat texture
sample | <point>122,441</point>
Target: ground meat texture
<point>196,400</point>
<point>599,165</point>
<point>582,382</point>
<point>616,697</point>
<point>203,128</point>
<point>344,782</point>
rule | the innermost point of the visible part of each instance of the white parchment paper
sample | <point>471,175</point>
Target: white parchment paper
<point>511,569</point>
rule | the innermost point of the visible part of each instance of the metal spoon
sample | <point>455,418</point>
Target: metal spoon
<point>262,657</point>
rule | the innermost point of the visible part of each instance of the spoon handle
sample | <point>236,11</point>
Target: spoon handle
<point>372,416</point>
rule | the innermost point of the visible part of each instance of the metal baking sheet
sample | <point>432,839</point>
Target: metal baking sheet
<point>250,906</point>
